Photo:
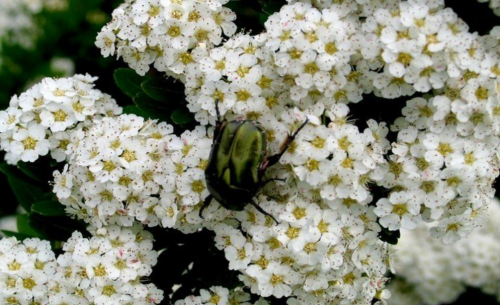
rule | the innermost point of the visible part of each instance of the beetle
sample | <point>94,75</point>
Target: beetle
<point>238,161</point>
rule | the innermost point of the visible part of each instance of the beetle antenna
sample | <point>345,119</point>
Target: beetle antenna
<point>206,203</point>
<point>262,211</point>
<point>274,159</point>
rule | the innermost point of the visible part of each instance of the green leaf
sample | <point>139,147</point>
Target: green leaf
<point>272,7</point>
<point>49,208</point>
<point>55,227</point>
<point>165,90</point>
<point>26,191</point>
<point>24,227</point>
<point>182,116</point>
<point>40,171</point>
<point>152,109</point>
<point>128,81</point>
<point>133,109</point>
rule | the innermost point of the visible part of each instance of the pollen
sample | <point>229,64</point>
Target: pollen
<point>243,95</point>
<point>215,299</point>
<point>120,264</point>
<point>349,278</point>
<point>299,213</point>
<point>220,65</point>
<point>154,11</point>
<point>108,290</point>
<point>274,243</point>
<point>469,158</point>
<point>276,280</point>
<point>445,149</point>
<point>400,209</point>
<point>59,92</point>
<point>106,195</point>
<point>242,71</point>
<point>310,247</point>
<point>295,54</point>
<point>312,165</point>
<point>29,143</point>
<point>14,266</point>
<point>242,254</point>
<point>428,186</point>
<point>292,232</point>
<point>482,93</point>
<point>129,155</point>
<point>453,181</point>
<point>422,164</point>
<point>77,107</point>
<point>194,16</point>
<point>100,270</point>
<point>323,227</point>
<point>347,163</point>
<point>198,186</point>
<point>186,58</point>
<point>425,111</point>
<point>318,142</point>
<point>264,82</point>
<point>331,48</point>
<point>174,31</point>
<point>335,180</point>
<point>477,118</point>
<point>176,14</point>
<point>109,166</point>
<point>201,35</point>
<point>405,58</point>
<point>344,143</point>
<point>311,68</point>
<point>453,227</point>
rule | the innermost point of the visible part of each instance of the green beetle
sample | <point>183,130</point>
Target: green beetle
<point>237,164</point>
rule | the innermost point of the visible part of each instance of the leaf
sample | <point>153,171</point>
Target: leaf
<point>24,227</point>
<point>56,227</point>
<point>128,81</point>
<point>25,190</point>
<point>133,109</point>
<point>152,109</point>
<point>40,171</point>
<point>164,90</point>
<point>49,208</point>
<point>272,7</point>
<point>182,116</point>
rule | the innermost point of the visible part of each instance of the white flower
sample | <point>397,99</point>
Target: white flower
<point>400,210</point>
<point>30,143</point>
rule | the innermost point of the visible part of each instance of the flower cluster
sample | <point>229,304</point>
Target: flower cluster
<point>218,295</point>
<point>125,168</point>
<point>494,5</point>
<point>105,269</point>
<point>41,119</point>
<point>164,32</point>
<point>444,162</point>
<point>438,274</point>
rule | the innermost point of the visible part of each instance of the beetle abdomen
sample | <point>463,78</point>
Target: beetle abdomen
<point>232,175</point>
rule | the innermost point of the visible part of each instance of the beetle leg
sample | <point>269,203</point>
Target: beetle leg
<point>274,159</point>
<point>206,203</point>
<point>262,211</point>
<point>218,123</point>
<point>273,179</point>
